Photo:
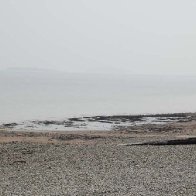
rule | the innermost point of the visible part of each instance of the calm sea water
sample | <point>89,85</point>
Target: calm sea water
<point>46,95</point>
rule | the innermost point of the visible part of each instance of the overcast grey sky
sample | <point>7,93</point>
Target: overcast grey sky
<point>120,36</point>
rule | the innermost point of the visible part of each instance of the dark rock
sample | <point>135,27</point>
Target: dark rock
<point>184,141</point>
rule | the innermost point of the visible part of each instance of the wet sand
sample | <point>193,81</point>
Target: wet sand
<point>99,162</point>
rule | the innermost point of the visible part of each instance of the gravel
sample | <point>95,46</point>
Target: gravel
<point>100,168</point>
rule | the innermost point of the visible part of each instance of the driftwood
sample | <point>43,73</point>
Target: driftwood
<point>184,141</point>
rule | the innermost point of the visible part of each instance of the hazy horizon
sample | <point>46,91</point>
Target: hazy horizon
<point>59,71</point>
<point>128,56</point>
<point>135,37</point>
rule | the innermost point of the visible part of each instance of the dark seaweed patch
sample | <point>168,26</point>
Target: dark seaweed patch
<point>9,125</point>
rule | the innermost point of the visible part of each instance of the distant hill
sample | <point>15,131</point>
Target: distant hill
<point>30,69</point>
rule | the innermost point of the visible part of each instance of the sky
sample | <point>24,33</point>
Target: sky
<point>105,36</point>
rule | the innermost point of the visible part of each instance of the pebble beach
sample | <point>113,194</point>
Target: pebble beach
<point>96,163</point>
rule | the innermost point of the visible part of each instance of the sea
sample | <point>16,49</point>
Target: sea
<point>28,95</point>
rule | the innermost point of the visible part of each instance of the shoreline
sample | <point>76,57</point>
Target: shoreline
<point>127,161</point>
<point>98,123</point>
<point>184,126</point>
